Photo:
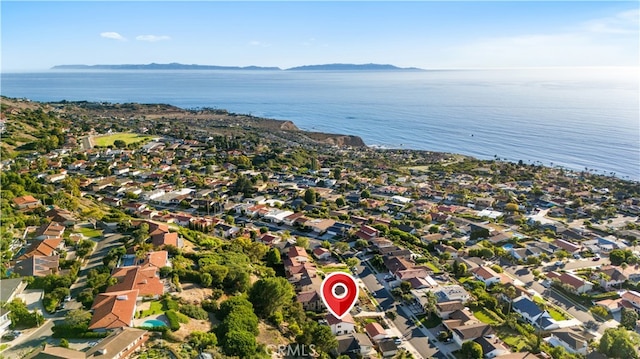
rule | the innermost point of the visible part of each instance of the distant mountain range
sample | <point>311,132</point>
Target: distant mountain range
<point>177,66</point>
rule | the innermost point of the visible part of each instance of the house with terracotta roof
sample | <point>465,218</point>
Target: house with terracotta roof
<point>322,253</point>
<point>26,202</point>
<point>572,282</point>
<point>157,259</point>
<point>145,280</point>
<point>37,266</point>
<point>375,331</point>
<point>632,298</point>
<point>167,239</point>
<point>49,230</point>
<point>486,275</point>
<point>342,326</point>
<point>310,300</point>
<point>298,253</point>
<point>367,233</point>
<point>42,247</point>
<point>61,215</point>
<point>113,310</point>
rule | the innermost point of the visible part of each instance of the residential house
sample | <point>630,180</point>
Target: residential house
<point>157,259</point>
<point>49,230</point>
<point>268,239</point>
<point>353,345</point>
<point>63,216</point>
<point>342,326</point>
<point>567,246</point>
<point>388,348</point>
<point>167,239</point>
<point>121,343</point>
<point>322,253</point>
<point>310,301</point>
<point>11,289</point>
<point>26,202</point>
<point>145,280</point>
<point>609,277</point>
<point>467,332</point>
<point>226,230</point>
<point>572,282</point>
<point>452,293</point>
<point>491,346</point>
<point>444,309</point>
<point>367,233</point>
<point>376,332</point>
<point>37,266</point>
<point>5,321</point>
<point>42,247</point>
<point>443,248</point>
<point>320,225</point>
<point>54,352</point>
<point>575,341</point>
<point>486,275</point>
<point>298,254</point>
<point>632,298</point>
<point>531,313</point>
<point>113,310</point>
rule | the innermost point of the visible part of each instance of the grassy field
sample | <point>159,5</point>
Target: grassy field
<point>485,316</point>
<point>90,232</point>
<point>128,138</point>
<point>154,308</point>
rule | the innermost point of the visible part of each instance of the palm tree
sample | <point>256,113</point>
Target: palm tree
<point>511,293</point>
<point>430,305</point>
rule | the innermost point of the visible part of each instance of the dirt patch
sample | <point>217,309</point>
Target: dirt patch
<point>193,325</point>
<point>193,293</point>
<point>270,335</point>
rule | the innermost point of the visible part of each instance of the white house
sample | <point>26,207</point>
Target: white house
<point>346,325</point>
<point>574,341</point>
<point>5,322</point>
<point>486,275</point>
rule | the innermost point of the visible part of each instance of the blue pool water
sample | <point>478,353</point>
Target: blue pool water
<point>508,246</point>
<point>153,323</point>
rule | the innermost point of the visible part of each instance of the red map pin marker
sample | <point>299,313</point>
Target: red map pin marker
<point>339,293</point>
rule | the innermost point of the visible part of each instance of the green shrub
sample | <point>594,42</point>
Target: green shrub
<point>194,311</point>
<point>174,322</point>
<point>210,306</point>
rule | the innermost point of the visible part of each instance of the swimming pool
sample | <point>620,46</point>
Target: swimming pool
<point>508,246</point>
<point>153,323</point>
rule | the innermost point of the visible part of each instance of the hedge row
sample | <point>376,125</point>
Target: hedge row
<point>172,317</point>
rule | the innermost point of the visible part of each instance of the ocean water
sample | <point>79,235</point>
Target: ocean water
<point>574,118</point>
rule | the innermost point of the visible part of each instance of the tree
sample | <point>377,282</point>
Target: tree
<point>352,262</point>
<point>202,340</point>
<point>239,343</point>
<point>365,194</point>
<point>341,247</point>
<point>269,295</point>
<point>310,196</point>
<point>405,286</point>
<point>337,173</point>
<point>471,350</point>
<point>320,335</point>
<point>64,343</point>
<point>430,305</point>
<point>273,257</point>
<point>340,202</point>
<point>141,234</point>
<point>119,144</point>
<point>619,343</point>
<point>628,318</point>
<point>302,242</point>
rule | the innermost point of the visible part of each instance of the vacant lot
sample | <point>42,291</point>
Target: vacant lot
<point>128,138</point>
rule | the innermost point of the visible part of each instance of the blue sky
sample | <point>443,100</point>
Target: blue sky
<point>425,34</point>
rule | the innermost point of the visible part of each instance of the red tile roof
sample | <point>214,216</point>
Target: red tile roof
<point>145,280</point>
<point>113,310</point>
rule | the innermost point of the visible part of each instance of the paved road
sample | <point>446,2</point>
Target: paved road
<point>103,246</point>
<point>417,337</point>
<point>31,339</point>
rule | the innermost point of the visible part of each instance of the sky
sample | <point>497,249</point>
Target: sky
<point>424,34</point>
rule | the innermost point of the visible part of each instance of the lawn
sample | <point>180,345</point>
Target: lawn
<point>331,269</point>
<point>90,232</point>
<point>435,269</point>
<point>432,322</point>
<point>128,138</point>
<point>154,308</point>
<point>512,338</point>
<point>555,314</point>
<point>485,316</point>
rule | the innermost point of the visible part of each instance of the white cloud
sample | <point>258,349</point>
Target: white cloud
<point>610,41</point>
<point>152,38</point>
<point>622,23</point>
<point>259,43</point>
<point>112,35</point>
